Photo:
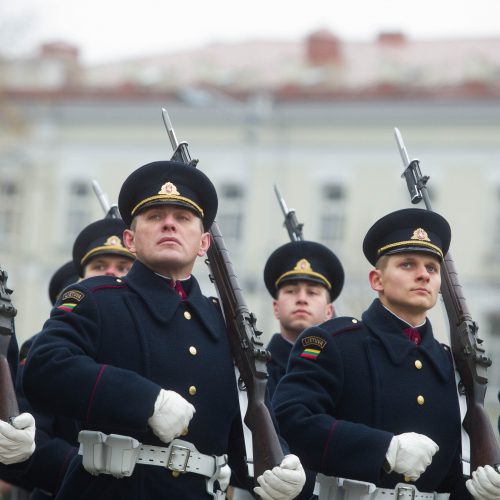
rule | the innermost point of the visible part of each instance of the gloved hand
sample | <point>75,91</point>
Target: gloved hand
<point>17,440</point>
<point>283,482</point>
<point>171,415</point>
<point>224,476</point>
<point>485,483</point>
<point>410,454</point>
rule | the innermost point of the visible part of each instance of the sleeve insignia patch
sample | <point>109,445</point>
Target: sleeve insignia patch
<point>312,347</point>
<point>76,295</point>
<point>70,300</point>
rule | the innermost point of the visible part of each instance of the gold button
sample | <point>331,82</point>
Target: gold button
<point>354,320</point>
<point>118,280</point>
<point>192,390</point>
<point>445,347</point>
<point>176,473</point>
<point>193,351</point>
<point>420,400</point>
<point>215,301</point>
<point>185,432</point>
<point>418,364</point>
<point>187,314</point>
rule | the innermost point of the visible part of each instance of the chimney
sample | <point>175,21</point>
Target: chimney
<point>323,48</point>
<point>391,38</point>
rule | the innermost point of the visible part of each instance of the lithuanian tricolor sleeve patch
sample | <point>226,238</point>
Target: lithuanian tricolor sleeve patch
<point>312,347</point>
<point>70,300</point>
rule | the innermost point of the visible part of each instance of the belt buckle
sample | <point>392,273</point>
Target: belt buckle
<point>180,448</point>
<point>401,489</point>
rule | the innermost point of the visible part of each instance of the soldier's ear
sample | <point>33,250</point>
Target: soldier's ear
<point>128,239</point>
<point>375,279</point>
<point>276,309</point>
<point>204,244</point>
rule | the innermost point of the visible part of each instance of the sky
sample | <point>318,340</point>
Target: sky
<point>107,30</point>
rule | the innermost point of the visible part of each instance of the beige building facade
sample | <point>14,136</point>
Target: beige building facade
<point>336,163</point>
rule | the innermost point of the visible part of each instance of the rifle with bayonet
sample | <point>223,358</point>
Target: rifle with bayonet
<point>247,350</point>
<point>8,401</point>
<point>469,355</point>
<point>293,226</point>
<point>110,211</point>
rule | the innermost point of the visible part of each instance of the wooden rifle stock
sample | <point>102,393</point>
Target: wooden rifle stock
<point>469,356</point>
<point>247,350</point>
<point>8,401</point>
<point>249,355</point>
<point>470,359</point>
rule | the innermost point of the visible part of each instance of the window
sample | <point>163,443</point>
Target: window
<point>332,218</point>
<point>9,213</point>
<point>230,214</point>
<point>78,212</point>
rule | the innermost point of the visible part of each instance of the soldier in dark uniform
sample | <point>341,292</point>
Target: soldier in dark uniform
<point>304,278</point>
<point>375,400</point>
<point>146,356</point>
<point>97,250</point>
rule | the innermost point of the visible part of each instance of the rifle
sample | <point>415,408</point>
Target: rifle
<point>293,226</point>
<point>247,350</point>
<point>8,401</point>
<point>110,211</point>
<point>468,353</point>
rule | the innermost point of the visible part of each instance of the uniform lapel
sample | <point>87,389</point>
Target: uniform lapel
<point>163,301</point>
<point>159,298</point>
<point>206,309</point>
<point>384,326</point>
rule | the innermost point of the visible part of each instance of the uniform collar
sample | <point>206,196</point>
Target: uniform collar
<point>388,330</point>
<point>162,301</point>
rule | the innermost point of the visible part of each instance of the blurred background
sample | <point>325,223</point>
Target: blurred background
<point>306,98</point>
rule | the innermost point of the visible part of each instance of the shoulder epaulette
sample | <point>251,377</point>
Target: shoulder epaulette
<point>341,324</point>
<point>104,282</point>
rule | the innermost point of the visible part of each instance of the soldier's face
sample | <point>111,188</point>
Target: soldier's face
<point>408,284</point>
<point>301,304</point>
<point>107,265</point>
<point>167,239</point>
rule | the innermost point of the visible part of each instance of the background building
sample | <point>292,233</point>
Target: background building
<point>316,118</point>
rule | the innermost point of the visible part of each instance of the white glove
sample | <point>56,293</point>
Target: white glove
<point>410,454</point>
<point>284,482</point>
<point>171,415</point>
<point>485,483</point>
<point>224,476</point>
<point>17,441</point>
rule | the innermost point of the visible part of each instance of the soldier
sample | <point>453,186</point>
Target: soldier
<point>304,278</point>
<point>146,357</point>
<point>375,400</point>
<point>98,250</point>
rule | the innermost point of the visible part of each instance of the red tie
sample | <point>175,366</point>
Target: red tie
<point>177,286</point>
<point>413,334</point>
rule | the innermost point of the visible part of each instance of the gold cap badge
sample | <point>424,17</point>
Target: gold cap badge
<point>169,189</point>
<point>113,241</point>
<point>303,265</point>
<point>420,234</point>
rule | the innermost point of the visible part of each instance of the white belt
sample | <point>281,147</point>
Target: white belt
<point>334,488</point>
<point>180,456</point>
<point>117,455</point>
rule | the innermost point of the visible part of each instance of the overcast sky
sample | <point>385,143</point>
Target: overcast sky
<point>114,29</point>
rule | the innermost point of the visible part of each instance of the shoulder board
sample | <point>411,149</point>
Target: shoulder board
<point>341,324</point>
<point>214,300</point>
<point>103,283</point>
<point>446,348</point>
